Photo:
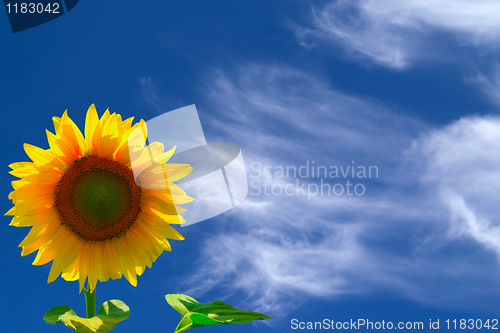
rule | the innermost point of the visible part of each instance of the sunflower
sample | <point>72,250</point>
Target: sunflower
<point>99,206</point>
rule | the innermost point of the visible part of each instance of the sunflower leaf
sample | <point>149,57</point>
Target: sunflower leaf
<point>195,314</point>
<point>109,315</point>
<point>175,301</point>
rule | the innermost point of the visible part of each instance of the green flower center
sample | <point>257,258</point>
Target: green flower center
<point>97,198</point>
<point>100,197</point>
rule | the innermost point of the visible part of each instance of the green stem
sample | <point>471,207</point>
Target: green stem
<point>89,302</point>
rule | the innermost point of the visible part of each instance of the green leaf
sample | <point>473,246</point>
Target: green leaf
<point>175,301</point>
<point>109,315</point>
<point>195,314</point>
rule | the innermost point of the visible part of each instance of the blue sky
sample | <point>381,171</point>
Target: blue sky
<point>411,87</point>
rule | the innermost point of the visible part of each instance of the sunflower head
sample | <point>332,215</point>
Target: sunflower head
<point>85,205</point>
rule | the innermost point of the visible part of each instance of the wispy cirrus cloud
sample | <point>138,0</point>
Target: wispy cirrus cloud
<point>396,33</point>
<point>462,168</point>
<point>291,245</point>
<point>283,109</point>
<point>282,250</point>
<point>148,94</point>
<point>488,82</point>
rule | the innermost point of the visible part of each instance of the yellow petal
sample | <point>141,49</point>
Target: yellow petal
<point>71,273</point>
<point>23,221</point>
<point>71,139</point>
<point>92,263</point>
<point>83,264</point>
<point>37,174</point>
<point>64,258</point>
<point>112,267</point>
<point>58,148</point>
<point>173,219</point>
<point>11,211</point>
<point>126,265</point>
<point>43,157</point>
<point>44,238</point>
<point>161,206</point>
<point>173,195</point>
<point>33,191</point>
<point>100,262</point>
<point>21,165</point>
<point>19,183</point>
<point>104,117</point>
<point>107,139</point>
<point>48,222</point>
<point>138,251</point>
<point>91,125</point>
<point>143,246</point>
<point>45,176</point>
<point>57,123</point>
<point>127,124</point>
<point>156,223</point>
<point>48,251</point>
<point>176,171</point>
<point>159,243</point>
<point>31,207</point>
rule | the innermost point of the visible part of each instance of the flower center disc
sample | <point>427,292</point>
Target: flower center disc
<point>98,198</point>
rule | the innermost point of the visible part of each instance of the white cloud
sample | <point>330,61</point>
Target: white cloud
<point>283,249</point>
<point>400,237</point>
<point>461,165</point>
<point>281,109</point>
<point>295,245</point>
<point>488,83</point>
<point>148,94</point>
<point>269,262</point>
<point>393,33</point>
